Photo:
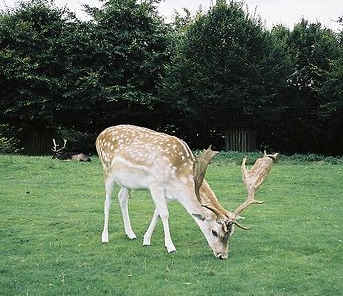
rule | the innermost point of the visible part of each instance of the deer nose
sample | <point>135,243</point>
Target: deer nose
<point>222,256</point>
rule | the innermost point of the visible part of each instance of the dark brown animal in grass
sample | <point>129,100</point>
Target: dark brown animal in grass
<point>65,155</point>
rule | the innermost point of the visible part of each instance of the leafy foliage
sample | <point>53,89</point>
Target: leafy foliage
<point>313,49</point>
<point>31,64</point>
<point>193,78</point>
<point>130,50</point>
<point>225,70</point>
<point>58,71</point>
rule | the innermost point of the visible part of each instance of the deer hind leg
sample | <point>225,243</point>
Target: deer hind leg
<point>158,195</point>
<point>150,230</point>
<point>109,184</point>
<point>123,197</point>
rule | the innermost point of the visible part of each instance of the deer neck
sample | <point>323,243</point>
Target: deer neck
<point>193,206</point>
<point>209,200</point>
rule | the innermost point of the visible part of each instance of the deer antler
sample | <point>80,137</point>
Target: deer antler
<point>253,179</point>
<point>54,149</point>
<point>199,169</point>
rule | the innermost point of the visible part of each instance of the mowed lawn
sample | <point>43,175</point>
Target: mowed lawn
<point>51,219</point>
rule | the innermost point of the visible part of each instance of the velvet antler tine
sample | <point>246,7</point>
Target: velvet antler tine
<point>253,179</point>
<point>199,168</point>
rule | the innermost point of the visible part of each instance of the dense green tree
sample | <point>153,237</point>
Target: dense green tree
<point>130,49</point>
<point>313,49</point>
<point>226,71</point>
<point>56,71</point>
<point>31,65</point>
<point>195,77</point>
<point>332,108</point>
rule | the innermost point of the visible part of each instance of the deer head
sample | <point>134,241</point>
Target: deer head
<point>224,219</point>
<point>55,149</point>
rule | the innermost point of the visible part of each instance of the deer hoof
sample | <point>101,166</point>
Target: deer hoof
<point>171,250</point>
<point>131,236</point>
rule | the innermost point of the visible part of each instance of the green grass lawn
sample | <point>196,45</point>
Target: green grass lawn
<point>51,219</point>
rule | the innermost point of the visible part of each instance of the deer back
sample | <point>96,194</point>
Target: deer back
<point>140,152</point>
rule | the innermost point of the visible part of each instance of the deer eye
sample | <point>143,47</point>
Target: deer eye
<point>215,233</point>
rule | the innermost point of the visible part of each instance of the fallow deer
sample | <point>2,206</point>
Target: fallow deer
<point>139,158</point>
<point>65,155</point>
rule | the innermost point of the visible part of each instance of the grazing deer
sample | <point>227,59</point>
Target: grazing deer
<point>138,158</point>
<point>64,155</point>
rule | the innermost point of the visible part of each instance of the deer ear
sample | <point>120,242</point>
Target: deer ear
<point>203,217</point>
<point>199,216</point>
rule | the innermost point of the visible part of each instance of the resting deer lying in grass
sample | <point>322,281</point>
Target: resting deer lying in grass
<point>138,158</point>
<point>65,155</point>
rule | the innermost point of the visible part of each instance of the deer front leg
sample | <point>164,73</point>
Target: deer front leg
<point>123,197</point>
<point>159,198</point>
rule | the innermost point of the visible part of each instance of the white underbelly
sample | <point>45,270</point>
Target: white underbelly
<point>135,176</point>
<point>132,181</point>
<point>129,176</point>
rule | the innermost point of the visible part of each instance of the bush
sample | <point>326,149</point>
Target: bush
<point>77,140</point>
<point>234,157</point>
<point>8,144</point>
